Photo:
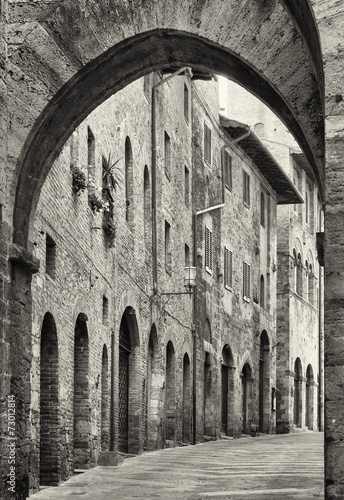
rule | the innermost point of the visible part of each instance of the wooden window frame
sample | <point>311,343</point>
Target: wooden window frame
<point>228,268</point>
<point>246,281</point>
<point>208,250</point>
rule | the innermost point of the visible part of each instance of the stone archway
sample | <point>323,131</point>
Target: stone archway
<point>298,393</point>
<point>227,391</point>
<point>75,68</point>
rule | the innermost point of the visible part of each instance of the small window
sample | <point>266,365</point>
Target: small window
<point>105,311</point>
<point>228,170</point>
<point>228,268</point>
<point>208,250</point>
<point>168,254</point>
<point>186,103</point>
<point>187,186</point>
<point>207,145</point>
<point>246,281</point>
<point>262,292</point>
<point>50,257</point>
<point>167,153</point>
<point>262,209</point>
<point>187,255</point>
<point>246,189</point>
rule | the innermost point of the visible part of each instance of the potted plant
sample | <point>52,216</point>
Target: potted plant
<point>79,183</point>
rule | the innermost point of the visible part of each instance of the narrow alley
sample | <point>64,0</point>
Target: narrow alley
<point>267,467</point>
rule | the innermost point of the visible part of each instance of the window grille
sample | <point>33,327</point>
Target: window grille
<point>246,186</point>
<point>228,271</point>
<point>208,250</point>
<point>228,170</point>
<point>246,281</point>
<point>207,145</point>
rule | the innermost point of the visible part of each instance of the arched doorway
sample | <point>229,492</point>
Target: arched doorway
<point>81,395</point>
<point>129,400</point>
<point>49,404</point>
<point>123,387</point>
<point>187,400</point>
<point>264,383</point>
<point>298,393</point>
<point>170,396</point>
<point>309,397</point>
<point>227,389</point>
<point>153,418</point>
<point>105,420</point>
<point>246,377</point>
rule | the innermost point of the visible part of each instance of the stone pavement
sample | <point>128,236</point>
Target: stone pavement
<point>266,467</point>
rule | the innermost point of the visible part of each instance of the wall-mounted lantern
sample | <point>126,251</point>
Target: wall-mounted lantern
<point>190,278</point>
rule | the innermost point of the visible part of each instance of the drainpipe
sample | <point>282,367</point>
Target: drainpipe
<point>154,170</point>
<point>320,352</point>
<point>195,315</point>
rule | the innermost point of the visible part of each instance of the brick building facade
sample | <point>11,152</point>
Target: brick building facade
<point>300,275</point>
<point>123,362</point>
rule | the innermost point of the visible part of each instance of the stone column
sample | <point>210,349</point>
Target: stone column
<point>330,20</point>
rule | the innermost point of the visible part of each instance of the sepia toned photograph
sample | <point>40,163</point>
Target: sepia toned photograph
<point>171,249</point>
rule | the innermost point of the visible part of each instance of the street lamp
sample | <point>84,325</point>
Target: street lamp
<point>189,282</point>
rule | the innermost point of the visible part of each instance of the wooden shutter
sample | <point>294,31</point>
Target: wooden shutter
<point>228,170</point>
<point>208,250</point>
<point>246,280</point>
<point>228,262</point>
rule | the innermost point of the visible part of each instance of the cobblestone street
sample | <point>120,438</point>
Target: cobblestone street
<point>266,467</point>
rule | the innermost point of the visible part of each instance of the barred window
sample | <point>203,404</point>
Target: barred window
<point>246,186</point>
<point>208,250</point>
<point>227,170</point>
<point>246,281</point>
<point>207,145</point>
<point>228,271</point>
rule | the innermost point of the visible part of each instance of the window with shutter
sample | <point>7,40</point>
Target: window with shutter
<point>228,170</point>
<point>228,271</point>
<point>207,145</point>
<point>208,250</point>
<point>246,186</point>
<point>246,281</point>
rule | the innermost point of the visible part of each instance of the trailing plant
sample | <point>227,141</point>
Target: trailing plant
<point>78,179</point>
<point>110,229</point>
<point>97,204</point>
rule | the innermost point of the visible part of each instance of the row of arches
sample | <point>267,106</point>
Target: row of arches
<point>299,382</point>
<point>162,407</point>
<point>303,278</point>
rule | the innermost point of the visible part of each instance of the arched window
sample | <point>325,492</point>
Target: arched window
<point>299,274</point>
<point>262,209</point>
<point>311,285</point>
<point>307,282</point>
<point>262,292</point>
<point>147,209</point>
<point>295,271</point>
<point>129,187</point>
